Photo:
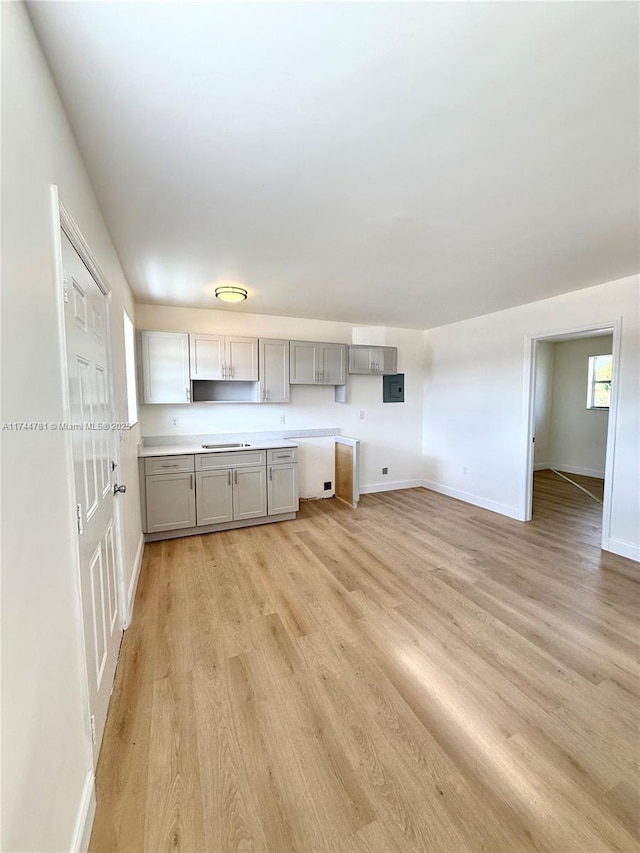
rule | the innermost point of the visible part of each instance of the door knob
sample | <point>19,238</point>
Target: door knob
<point>117,488</point>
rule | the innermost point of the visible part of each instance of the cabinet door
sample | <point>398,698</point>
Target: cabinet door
<point>242,359</point>
<point>361,359</point>
<point>333,364</point>
<point>282,489</point>
<point>165,367</point>
<point>386,359</point>
<point>249,492</point>
<point>214,496</point>
<point>303,362</point>
<point>207,356</point>
<point>171,502</point>
<point>274,371</point>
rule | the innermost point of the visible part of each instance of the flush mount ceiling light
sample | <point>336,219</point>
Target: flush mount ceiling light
<point>231,293</point>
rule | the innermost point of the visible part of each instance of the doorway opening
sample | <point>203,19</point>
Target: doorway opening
<point>571,427</point>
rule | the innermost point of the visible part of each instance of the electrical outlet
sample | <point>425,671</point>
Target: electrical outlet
<point>282,419</point>
<point>385,470</point>
<point>361,414</point>
<point>327,485</point>
<point>175,422</point>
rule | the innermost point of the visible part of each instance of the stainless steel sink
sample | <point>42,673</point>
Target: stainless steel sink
<point>223,446</point>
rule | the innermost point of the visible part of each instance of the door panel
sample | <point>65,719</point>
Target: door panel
<point>282,489</point>
<point>242,359</point>
<point>207,355</point>
<point>165,367</point>
<point>333,364</point>
<point>274,371</point>
<point>214,496</point>
<point>90,403</point>
<point>303,360</point>
<point>360,359</point>
<point>171,502</point>
<point>249,492</point>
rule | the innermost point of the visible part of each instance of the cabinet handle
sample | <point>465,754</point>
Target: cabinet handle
<point>224,372</point>
<point>188,395</point>
<point>322,376</point>
<point>271,473</point>
<point>265,394</point>
<point>228,478</point>
<point>235,477</point>
<point>170,466</point>
<point>282,456</point>
<point>191,481</point>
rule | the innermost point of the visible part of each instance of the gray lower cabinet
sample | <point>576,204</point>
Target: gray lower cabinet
<point>249,492</point>
<point>214,496</point>
<point>282,488</point>
<point>230,494</point>
<point>171,502</point>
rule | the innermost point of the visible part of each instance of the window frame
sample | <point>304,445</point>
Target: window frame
<point>130,369</point>
<point>593,383</point>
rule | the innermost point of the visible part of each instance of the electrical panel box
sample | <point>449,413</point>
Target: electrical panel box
<point>393,388</point>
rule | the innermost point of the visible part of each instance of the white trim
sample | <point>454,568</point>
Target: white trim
<point>575,469</point>
<point>390,487</point>
<point>542,466</point>
<point>133,585</point>
<point>476,500</point>
<point>84,818</point>
<point>525,503</point>
<point>625,549</point>
<point>82,247</point>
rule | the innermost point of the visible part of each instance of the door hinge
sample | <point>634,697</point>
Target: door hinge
<point>92,728</point>
<point>79,518</point>
<point>65,286</point>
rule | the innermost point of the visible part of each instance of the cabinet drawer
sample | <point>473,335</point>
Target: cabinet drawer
<point>239,459</point>
<point>282,454</point>
<point>168,465</point>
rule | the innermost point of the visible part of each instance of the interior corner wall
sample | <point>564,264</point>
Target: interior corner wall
<point>578,436</point>
<point>390,433</point>
<point>543,404</point>
<point>46,752</point>
<point>476,409</point>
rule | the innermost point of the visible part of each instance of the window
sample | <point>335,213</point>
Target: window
<point>130,364</point>
<point>599,386</point>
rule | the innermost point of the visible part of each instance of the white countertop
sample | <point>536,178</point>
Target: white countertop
<point>180,449</point>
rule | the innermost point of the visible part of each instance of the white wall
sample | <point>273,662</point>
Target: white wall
<point>391,433</point>
<point>46,755</point>
<point>577,435</point>
<point>475,412</point>
<point>544,403</point>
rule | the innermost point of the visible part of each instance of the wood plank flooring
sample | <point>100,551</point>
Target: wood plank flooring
<point>414,675</point>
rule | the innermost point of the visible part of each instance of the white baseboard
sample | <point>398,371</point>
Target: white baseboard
<point>541,466</point>
<point>131,592</point>
<point>625,549</point>
<point>476,500</point>
<point>390,486</point>
<point>574,469</point>
<point>84,819</point>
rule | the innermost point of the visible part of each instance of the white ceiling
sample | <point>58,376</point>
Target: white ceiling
<point>404,164</point>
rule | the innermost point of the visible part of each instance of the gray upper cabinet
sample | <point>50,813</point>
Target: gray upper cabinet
<point>366,359</point>
<point>274,371</point>
<point>313,363</point>
<point>165,367</point>
<point>224,357</point>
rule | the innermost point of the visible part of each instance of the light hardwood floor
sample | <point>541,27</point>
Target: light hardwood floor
<point>417,674</point>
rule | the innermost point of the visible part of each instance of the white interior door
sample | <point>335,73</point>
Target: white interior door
<point>91,404</point>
